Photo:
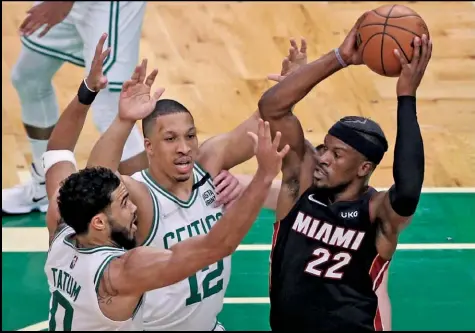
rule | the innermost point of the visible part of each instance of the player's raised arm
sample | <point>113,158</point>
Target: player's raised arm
<point>394,208</point>
<point>147,268</point>
<point>135,103</point>
<point>225,151</point>
<point>58,160</point>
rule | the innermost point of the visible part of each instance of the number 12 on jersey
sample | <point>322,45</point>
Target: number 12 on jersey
<point>323,255</point>
<point>209,288</point>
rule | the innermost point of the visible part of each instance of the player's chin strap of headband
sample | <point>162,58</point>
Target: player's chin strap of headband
<point>372,151</point>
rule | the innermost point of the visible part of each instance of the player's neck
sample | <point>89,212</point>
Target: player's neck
<point>352,192</point>
<point>181,190</point>
<point>92,241</point>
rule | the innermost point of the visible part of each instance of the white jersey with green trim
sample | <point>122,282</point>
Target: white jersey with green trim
<point>73,275</point>
<point>193,303</point>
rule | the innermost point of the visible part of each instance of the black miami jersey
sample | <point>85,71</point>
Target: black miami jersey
<point>325,267</point>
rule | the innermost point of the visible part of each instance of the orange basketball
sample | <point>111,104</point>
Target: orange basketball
<point>387,28</point>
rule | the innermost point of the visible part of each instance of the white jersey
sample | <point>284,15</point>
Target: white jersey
<point>73,275</point>
<point>193,303</point>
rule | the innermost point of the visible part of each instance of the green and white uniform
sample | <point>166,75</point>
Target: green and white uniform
<point>73,276</point>
<point>193,303</point>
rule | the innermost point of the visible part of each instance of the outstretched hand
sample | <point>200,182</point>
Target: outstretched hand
<point>95,79</point>
<point>269,159</point>
<point>135,101</point>
<point>413,72</point>
<point>296,58</point>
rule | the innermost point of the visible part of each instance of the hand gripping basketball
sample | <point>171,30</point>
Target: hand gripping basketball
<point>413,72</point>
<point>269,159</point>
<point>135,101</point>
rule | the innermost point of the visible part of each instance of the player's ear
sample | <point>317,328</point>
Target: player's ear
<point>365,169</point>
<point>148,146</point>
<point>99,222</point>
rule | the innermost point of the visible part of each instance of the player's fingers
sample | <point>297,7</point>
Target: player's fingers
<point>401,58</point>
<point>156,95</point>
<point>151,77</point>
<point>275,77</point>
<point>25,23</point>
<point>45,31</point>
<point>424,50</point>
<point>226,191</point>
<point>303,45</point>
<point>267,135</point>
<point>284,151</point>
<point>276,142</point>
<point>31,27</point>
<point>223,184</point>
<point>360,19</point>
<point>293,54</point>
<point>143,70</point>
<point>293,43</point>
<point>285,66</point>
<point>135,76</point>
<point>100,45</point>
<point>104,55</point>
<point>417,52</point>
<point>219,178</point>
<point>260,129</point>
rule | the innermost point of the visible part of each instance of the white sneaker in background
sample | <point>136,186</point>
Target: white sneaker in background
<point>27,197</point>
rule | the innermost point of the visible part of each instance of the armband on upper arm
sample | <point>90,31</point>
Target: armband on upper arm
<point>51,157</point>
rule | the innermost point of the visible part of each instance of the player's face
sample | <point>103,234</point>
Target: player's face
<point>338,164</point>
<point>173,147</point>
<point>122,218</point>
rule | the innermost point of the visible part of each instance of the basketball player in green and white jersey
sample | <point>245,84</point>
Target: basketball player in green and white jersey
<point>174,194</point>
<point>97,276</point>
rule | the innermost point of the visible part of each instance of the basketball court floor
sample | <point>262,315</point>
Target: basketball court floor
<point>431,278</point>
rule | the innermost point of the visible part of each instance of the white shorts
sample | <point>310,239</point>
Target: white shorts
<point>75,38</point>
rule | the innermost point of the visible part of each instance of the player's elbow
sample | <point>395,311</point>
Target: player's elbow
<point>404,200</point>
<point>271,108</point>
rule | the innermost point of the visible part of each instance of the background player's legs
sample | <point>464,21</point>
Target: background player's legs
<point>39,60</point>
<point>123,22</point>
<point>31,77</point>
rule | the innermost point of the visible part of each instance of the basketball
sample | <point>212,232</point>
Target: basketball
<point>387,28</point>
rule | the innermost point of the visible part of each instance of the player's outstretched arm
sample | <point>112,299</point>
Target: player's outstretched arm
<point>147,268</point>
<point>135,103</point>
<point>58,160</point>
<point>393,209</point>
<point>225,151</point>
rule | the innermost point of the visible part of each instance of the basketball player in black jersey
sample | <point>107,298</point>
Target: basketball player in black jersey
<point>334,234</point>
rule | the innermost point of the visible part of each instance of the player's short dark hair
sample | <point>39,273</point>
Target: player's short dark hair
<point>163,107</point>
<point>84,194</point>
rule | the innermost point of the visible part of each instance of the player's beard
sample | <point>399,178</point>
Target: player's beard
<point>121,236</point>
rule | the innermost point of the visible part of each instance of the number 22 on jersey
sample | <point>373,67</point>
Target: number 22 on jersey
<point>211,285</point>
<point>338,261</point>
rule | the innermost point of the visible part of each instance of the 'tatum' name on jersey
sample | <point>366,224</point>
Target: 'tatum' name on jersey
<point>327,233</point>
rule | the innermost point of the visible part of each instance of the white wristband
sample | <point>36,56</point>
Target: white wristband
<point>51,157</point>
<point>339,58</point>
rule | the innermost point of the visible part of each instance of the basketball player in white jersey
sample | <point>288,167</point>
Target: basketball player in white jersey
<point>182,205</point>
<point>96,275</point>
<point>67,31</point>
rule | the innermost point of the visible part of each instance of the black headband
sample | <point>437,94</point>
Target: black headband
<point>373,152</point>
